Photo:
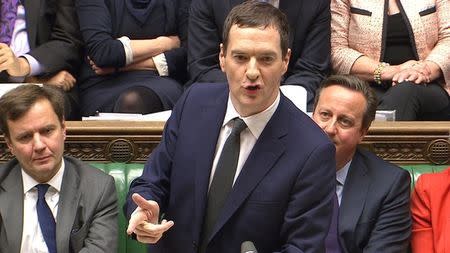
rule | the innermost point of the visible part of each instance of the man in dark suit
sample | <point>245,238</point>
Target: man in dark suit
<point>279,189</point>
<point>49,203</point>
<point>373,194</point>
<point>309,23</point>
<point>42,46</point>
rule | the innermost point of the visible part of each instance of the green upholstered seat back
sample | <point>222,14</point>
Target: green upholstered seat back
<point>418,169</point>
<point>125,173</point>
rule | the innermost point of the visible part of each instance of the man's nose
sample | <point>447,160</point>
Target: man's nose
<point>252,69</point>
<point>330,127</point>
<point>38,144</point>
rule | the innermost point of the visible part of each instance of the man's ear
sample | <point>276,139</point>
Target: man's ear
<point>286,60</point>
<point>63,128</point>
<point>9,144</point>
<point>222,58</point>
<point>363,133</point>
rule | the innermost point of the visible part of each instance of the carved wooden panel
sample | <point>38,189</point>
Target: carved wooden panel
<point>397,142</point>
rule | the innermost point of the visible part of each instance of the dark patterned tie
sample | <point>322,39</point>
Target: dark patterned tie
<point>46,220</point>
<point>222,182</point>
<point>7,20</point>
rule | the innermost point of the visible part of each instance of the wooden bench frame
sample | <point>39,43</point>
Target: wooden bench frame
<point>119,141</point>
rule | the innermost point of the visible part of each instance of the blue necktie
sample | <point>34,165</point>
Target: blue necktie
<point>46,220</point>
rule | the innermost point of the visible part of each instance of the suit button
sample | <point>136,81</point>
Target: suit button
<point>195,245</point>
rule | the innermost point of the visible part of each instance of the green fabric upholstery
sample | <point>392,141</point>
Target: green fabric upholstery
<point>418,169</point>
<point>125,173</point>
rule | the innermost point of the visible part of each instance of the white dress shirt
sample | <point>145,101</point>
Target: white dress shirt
<point>255,125</point>
<point>20,45</point>
<point>32,238</point>
<point>341,176</point>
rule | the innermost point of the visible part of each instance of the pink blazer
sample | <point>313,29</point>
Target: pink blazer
<point>430,207</point>
<point>357,29</point>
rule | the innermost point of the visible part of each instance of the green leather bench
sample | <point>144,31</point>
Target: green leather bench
<point>125,173</point>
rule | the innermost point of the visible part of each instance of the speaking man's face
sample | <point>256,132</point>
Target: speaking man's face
<point>254,65</point>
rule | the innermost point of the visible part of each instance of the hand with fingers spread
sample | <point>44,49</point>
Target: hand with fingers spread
<point>144,221</point>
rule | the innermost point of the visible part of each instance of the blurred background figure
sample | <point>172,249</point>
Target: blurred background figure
<point>134,59</point>
<point>40,43</point>
<point>401,47</point>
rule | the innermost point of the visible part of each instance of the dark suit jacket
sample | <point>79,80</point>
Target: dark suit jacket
<point>309,41</point>
<point>281,200</point>
<point>87,209</point>
<point>374,213</point>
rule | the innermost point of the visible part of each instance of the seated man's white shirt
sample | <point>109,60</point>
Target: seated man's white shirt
<point>255,125</point>
<point>297,94</point>
<point>20,45</point>
<point>32,238</point>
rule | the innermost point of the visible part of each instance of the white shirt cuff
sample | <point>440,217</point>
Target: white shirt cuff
<point>128,50</point>
<point>35,67</point>
<point>161,64</point>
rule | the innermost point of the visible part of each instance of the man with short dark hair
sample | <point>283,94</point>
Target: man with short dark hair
<point>238,161</point>
<point>50,203</point>
<point>309,23</point>
<point>373,195</point>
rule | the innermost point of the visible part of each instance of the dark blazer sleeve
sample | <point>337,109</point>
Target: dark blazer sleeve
<point>177,58</point>
<point>204,40</point>
<point>96,25</point>
<point>56,41</point>
<point>154,183</point>
<point>312,64</point>
<point>392,229</point>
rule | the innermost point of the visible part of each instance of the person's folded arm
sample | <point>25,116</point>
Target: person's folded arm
<point>107,51</point>
<point>203,40</point>
<point>313,63</point>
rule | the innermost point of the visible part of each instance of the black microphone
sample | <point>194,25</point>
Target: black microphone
<point>248,247</point>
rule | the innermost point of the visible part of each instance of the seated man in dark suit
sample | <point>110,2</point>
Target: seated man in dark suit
<point>49,203</point>
<point>373,195</point>
<point>309,23</point>
<point>238,161</point>
<point>40,43</point>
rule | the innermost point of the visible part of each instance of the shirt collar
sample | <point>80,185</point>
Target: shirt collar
<point>341,174</point>
<point>255,123</point>
<point>55,182</point>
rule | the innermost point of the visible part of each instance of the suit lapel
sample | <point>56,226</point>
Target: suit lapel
<point>11,193</point>
<point>68,206</point>
<point>211,114</point>
<point>32,11</point>
<point>353,196</point>
<point>268,148</point>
